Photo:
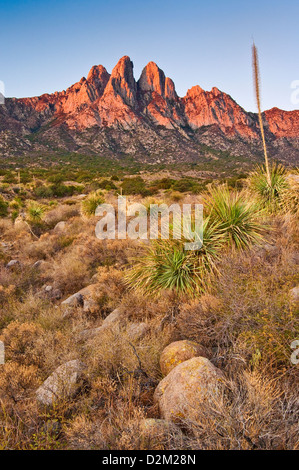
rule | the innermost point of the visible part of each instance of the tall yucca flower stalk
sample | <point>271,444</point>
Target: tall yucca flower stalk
<point>255,64</point>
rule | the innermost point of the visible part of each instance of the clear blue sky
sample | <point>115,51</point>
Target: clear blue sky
<point>49,45</point>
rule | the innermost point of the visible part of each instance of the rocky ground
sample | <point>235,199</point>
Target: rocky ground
<point>93,363</point>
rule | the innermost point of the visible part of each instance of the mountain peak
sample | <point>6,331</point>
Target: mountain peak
<point>122,81</point>
<point>114,103</point>
<point>153,79</point>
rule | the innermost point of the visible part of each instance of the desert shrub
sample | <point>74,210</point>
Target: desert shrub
<point>107,184</point>
<point>254,413</point>
<point>269,193</point>
<point>18,381</point>
<point>56,178</point>
<point>61,213</point>
<point>3,207</point>
<point>43,192</point>
<point>164,183</point>
<point>90,204</point>
<point>185,185</point>
<point>114,178</point>
<point>109,296</point>
<point>167,265</point>
<point>289,199</point>
<point>251,315</point>
<point>236,182</point>
<point>10,178</point>
<point>236,215</point>
<point>21,343</point>
<point>174,196</point>
<point>135,185</point>
<point>62,190</point>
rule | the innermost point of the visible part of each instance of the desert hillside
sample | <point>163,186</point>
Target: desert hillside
<point>139,344</point>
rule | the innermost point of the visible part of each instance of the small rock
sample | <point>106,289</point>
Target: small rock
<point>90,333</point>
<point>75,300</point>
<point>61,384</point>
<point>178,352</point>
<point>188,384</point>
<point>83,298</point>
<point>113,318</point>
<point>137,331</point>
<point>37,264</point>
<point>294,294</point>
<point>55,294</point>
<point>60,226</point>
<point>13,263</point>
<point>90,305</point>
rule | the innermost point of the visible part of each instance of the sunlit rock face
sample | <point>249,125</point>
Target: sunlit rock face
<point>158,119</point>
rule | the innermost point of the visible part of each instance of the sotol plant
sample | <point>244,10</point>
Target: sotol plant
<point>267,181</point>
<point>270,195</point>
<point>35,212</point>
<point>236,216</point>
<point>90,204</point>
<point>167,265</point>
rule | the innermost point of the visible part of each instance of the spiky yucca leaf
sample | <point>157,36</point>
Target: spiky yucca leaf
<point>90,204</point>
<point>236,216</point>
<point>35,212</point>
<point>269,194</point>
<point>167,265</point>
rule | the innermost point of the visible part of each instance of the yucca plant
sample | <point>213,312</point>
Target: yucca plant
<point>236,216</point>
<point>269,194</point>
<point>167,265</point>
<point>90,204</point>
<point>256,74</point>
<point>35,212</point>
<point>268,180</point>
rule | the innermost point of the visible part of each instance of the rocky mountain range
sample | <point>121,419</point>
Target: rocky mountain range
<point>114,115</point>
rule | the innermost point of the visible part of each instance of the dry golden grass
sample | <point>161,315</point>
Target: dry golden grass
<point>245,320</point>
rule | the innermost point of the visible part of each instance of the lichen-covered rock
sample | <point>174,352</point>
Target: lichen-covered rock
<point>61,384</point>
<point>178,352</point>
<point>188,385</point>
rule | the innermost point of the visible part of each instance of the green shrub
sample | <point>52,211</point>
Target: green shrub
<point>90,204</point>
<point>186,185</point>
<point>43,192</point>
<point>3,207</point>
<point>107,184</point>
<point>135,185</point>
